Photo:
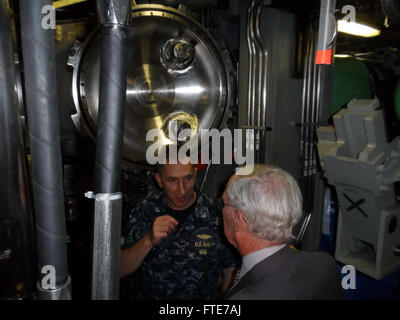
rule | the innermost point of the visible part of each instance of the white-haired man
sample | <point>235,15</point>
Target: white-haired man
<point>260,211</point>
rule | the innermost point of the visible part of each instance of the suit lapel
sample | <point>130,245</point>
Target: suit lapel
<point>239,286</point>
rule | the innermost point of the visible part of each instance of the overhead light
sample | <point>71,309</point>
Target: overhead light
<point>339,55</point>
<point>357,29</point>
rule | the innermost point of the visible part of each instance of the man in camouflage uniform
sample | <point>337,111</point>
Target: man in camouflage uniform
<point>175,238</point>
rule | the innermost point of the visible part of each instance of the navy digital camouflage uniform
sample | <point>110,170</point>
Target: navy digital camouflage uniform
<point>187,263</point>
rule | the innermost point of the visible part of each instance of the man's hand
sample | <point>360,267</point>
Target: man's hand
<point>132,258</point>
<point>162,227</point>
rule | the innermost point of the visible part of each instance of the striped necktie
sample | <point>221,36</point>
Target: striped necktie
<point>236,277</point>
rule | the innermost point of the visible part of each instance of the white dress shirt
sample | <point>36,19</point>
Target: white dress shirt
<point>251,259</point>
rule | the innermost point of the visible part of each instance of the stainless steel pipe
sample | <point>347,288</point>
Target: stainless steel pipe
<point>257,78</point>
<point>263,52</point>
<point>106,246</point>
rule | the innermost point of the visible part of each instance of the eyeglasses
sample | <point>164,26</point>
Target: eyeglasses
<point>221,204</point>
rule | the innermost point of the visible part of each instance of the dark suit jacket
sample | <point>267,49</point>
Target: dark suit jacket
<point>290,275</point>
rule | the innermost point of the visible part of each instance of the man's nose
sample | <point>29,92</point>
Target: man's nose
<point>181,188</point>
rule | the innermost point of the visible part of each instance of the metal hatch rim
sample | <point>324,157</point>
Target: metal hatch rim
<point>88,127</point>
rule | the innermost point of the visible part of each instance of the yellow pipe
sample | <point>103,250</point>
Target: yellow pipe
<point>64,3</point>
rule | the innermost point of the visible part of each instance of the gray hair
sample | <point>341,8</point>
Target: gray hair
<point>270,200</point>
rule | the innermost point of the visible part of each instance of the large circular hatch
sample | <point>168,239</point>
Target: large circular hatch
<point>176,73</point>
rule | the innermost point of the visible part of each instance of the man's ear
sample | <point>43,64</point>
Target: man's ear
<point>236,223</point>
<point>158,179</point>
<point>239,220</point>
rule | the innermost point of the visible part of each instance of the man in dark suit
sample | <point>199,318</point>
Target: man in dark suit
<point>259,212</point>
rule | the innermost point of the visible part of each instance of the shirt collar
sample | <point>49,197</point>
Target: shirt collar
<point>251,259</point>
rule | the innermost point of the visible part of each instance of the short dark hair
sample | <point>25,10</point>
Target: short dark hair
<point>168,156</point>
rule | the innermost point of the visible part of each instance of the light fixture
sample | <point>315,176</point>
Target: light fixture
<point>357,29</point>
<point>342,55</point>
<point>363,18</point>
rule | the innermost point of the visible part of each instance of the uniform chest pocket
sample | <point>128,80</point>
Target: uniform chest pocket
<point>199,246</point>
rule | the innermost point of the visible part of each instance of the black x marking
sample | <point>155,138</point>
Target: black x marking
<point>355,205</point>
